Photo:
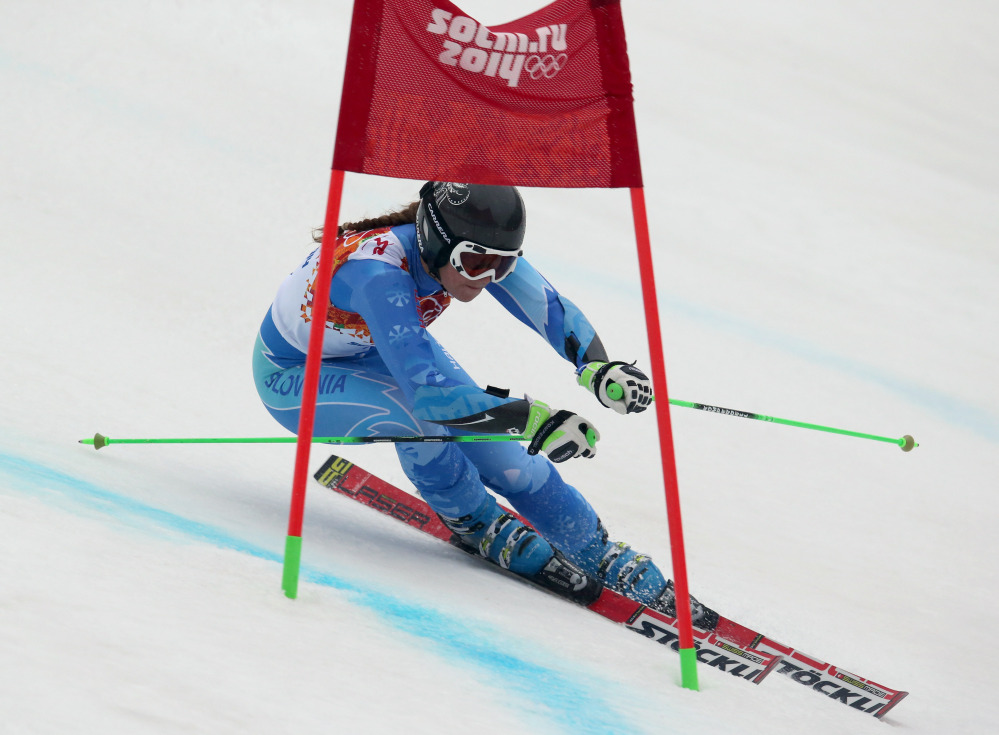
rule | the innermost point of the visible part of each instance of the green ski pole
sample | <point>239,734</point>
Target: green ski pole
<point>100,440</point>
<point>614,391</point>
<point>906,443</point>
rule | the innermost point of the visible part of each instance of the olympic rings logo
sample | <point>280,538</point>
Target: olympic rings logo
<point>544,66</point>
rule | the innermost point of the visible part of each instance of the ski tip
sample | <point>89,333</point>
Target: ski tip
<point>907,443</point>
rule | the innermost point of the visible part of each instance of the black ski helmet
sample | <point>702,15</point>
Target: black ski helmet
<point>449,213</point>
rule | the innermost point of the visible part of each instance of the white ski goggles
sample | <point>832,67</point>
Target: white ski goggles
<point>475,261</point>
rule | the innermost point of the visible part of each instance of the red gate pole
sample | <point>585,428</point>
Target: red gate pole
<point>688,654</point>
<point>310,388</point>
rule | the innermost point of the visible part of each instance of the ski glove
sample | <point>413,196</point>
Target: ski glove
<point>562,435</point>
<point>617,385</point>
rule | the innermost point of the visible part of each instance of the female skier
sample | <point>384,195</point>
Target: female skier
<point>384,374</point>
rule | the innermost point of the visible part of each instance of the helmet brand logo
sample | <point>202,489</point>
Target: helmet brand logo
<point>456,194</point>
<point>437,223</point>
<point>476,49</point>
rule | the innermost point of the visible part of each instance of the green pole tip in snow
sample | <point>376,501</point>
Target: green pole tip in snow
<point>98,441</point>
<point>907,443</point>
<point>688,669</point>
<point>292,562</point>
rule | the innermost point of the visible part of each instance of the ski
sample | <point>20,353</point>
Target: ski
<point>838,684</point>
<point>731,648</point>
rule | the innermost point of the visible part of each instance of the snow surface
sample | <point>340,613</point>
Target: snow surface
<point>823,187</point>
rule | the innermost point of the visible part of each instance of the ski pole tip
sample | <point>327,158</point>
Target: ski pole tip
<point>907,443</point>
<point>98,441</point>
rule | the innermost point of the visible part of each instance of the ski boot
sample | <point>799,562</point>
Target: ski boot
<point>501,538</point>
<point>636,577</point>
<point>621,568</point>
<point>511,544</point>
<point>701,615</point>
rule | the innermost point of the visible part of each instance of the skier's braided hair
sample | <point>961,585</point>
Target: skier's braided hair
<point>404,216</point>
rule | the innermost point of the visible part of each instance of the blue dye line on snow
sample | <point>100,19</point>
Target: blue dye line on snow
<point>570,703</point>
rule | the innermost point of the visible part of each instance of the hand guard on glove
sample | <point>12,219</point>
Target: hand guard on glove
<point>617,385</point>
<point>562,435</point>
